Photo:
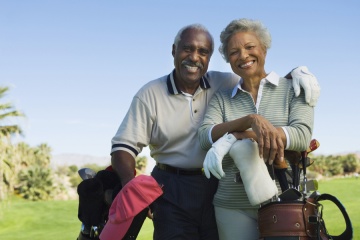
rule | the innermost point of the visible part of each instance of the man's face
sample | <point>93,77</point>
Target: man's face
<point>192,56</point>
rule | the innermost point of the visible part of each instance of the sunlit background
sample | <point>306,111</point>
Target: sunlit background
<point>74,66</point>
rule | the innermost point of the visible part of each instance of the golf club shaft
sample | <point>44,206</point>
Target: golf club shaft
<point>311,185</point>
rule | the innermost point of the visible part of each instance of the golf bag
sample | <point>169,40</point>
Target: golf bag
<point>299,219</point>
<point>294,214</point>
<point>93,210</point>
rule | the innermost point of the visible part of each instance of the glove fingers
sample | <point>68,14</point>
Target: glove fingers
<point>315,94</point>
<point>307,90</point>
<point>218,171</point>
<point>215,174</point>
<point>206,171</point>
<point>296,87</point>
<point>313,102</point>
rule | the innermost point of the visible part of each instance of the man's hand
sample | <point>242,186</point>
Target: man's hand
<point>269,139</point>
<point>302,77</point>
<point>215,155</point>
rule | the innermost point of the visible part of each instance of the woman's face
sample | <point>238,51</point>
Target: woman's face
<point>246,55</point>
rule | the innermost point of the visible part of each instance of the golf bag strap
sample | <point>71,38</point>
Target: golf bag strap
<point>348,233</point>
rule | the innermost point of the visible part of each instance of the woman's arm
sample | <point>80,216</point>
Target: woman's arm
<point>271,140</point>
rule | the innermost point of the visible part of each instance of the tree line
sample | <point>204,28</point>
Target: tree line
<point>335,165</point>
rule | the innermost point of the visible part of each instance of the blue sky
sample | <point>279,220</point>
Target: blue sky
<point>74,66</point>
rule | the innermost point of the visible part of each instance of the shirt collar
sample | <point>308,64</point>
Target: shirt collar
<point>173,89</point>
<point>272,78</point>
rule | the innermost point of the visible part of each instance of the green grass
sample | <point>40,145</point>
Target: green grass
<point>347,191</point>
<point>20,219</point>
<point>57,220</point>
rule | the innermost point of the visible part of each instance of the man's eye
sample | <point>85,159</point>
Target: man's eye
<point>187,49</point>
<point>204,52</point>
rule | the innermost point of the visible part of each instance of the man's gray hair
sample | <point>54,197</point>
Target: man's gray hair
<point>195,26</point>
<point>244,25</point>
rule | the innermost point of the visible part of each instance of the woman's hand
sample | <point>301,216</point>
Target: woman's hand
<point>245,135</point>
<point>268,137</point>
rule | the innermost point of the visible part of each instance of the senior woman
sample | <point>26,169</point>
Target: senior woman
<point>263,108</point>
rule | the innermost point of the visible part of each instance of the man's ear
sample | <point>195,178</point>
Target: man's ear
<point>173,50</point>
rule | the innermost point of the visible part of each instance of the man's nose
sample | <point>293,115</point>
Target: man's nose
<point>194,56</point>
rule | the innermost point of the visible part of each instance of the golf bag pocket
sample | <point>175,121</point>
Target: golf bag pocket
<point>299,220</point>
<point>91,202</point>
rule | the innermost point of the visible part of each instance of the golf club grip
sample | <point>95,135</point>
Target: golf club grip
<point>280,164</point>
<point>293,157</point>
<point>280,174</point>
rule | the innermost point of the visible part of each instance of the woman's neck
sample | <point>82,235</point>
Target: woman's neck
<point>252,84</point>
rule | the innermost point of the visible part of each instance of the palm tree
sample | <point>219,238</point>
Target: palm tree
<point>7,111</point>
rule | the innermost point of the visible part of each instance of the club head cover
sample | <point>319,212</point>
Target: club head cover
<point>129,208</point>
<point>258,184</point>
<point>91,202</point>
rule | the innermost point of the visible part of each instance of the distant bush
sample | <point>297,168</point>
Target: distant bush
<point>36,184</point>
<point>331,165</point>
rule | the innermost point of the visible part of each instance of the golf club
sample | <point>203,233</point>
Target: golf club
<point>295,175</point>
<point>303,159</point>
<point>309,161</point>
<point>281,176</point>
<point>280,168</point>
<point>86,173</point>
<point>272,175</point>
<point>314,144</point>
<point>294,158</point>
<point>311,185</point>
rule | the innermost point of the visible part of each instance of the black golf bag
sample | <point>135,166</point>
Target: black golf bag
<point>93,209</point>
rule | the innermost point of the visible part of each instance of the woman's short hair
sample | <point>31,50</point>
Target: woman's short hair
<point>244,25</point>
<point>195,26</point>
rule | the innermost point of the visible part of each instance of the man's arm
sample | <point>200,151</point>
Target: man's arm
<point>123,164</point>
<point>302,77</point>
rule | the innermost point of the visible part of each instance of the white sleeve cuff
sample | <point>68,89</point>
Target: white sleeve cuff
<point>210,138</point>
<point>124,149</point>
<point>287,137</point>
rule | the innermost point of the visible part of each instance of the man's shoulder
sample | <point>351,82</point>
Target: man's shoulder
<point>153,86</point>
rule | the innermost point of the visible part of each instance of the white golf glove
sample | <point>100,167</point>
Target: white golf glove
<point>254,174</point>
<point>302,77</point>
<point>215,155</point>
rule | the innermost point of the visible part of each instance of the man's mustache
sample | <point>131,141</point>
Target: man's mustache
<point>193,64</point>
